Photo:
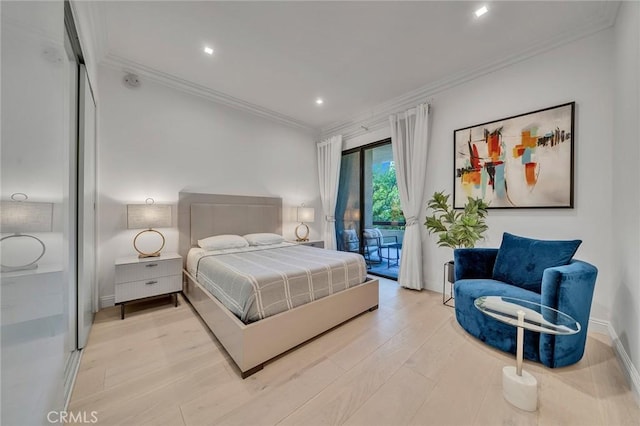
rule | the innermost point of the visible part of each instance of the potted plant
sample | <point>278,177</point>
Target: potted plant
<point>456,228</point>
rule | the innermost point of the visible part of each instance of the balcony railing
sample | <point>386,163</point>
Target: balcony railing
<point>387,223</point>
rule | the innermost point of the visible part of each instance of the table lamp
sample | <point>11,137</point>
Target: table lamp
<point>19,216</point>
<point>149,215</point>
<point>305,214</point>
<point>352,215</point>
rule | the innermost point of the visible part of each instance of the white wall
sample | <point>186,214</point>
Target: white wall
<point>626,175</point>
<point>579,71</point>
<point>156,141</point>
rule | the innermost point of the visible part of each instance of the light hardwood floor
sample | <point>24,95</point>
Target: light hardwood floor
<point>406,363</point>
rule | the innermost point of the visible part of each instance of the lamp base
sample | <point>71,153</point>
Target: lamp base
<point>143,255</point>
<point>19,268</point>
<point>305,229</point>
<point>27,266</point>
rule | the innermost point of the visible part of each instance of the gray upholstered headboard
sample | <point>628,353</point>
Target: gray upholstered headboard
<point>204,215</point>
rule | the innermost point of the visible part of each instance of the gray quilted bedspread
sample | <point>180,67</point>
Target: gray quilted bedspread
<point>257,284</point>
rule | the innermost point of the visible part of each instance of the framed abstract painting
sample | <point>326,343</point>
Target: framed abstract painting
<point>524,161</point>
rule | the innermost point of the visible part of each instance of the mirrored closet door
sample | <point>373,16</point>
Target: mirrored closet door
<point>39,211</point>
<point>87,294</point>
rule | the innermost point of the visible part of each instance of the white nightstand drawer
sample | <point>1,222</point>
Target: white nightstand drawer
<point>312,243</point>
<point>318,244</point>
<point>147,269</point>
<point>147,288</point>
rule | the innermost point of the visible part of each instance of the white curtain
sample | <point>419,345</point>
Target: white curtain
<point>409,141</point>
<point>329,157</point>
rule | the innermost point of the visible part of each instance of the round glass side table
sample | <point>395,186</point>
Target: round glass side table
<point>519,387</point>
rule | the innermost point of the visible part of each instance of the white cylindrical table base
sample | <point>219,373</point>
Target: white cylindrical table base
<point>521,391</point>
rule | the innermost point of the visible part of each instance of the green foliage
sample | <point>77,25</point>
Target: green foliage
<point>456,228</point>
<point>386,199</point>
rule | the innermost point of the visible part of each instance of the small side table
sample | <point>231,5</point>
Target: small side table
<point>447,277</point>
<point>388,247</point>
<point>139,278</point>
<point>519,387</point>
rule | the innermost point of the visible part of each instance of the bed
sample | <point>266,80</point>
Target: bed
<point>252,344</point>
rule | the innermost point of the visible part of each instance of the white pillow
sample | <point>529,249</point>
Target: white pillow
<point>221,242</point>
<point>263,239</point>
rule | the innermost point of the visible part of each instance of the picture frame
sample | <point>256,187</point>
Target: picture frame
<point>522,161</point>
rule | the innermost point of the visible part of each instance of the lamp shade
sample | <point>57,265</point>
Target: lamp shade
<point>148,216</point>
<point>23,216</point>
<point>352,215</point>
<point>306,214</point>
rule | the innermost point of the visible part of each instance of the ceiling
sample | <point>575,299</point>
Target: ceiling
<point>278,57</point>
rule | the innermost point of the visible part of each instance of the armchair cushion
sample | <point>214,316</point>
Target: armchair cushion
<point>487,329</point>
<point>472,263</point>
<point>350,240</point>
<point>372,234</point>
<point>521,261</point>
<point>372,239</point>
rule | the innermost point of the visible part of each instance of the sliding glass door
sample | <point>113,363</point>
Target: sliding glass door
<point>348,205</point>
<point>369,218</point>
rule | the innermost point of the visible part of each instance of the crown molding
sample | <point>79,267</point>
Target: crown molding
<point>96,14</point>
<point>378,116</point>
<point>126,65</point>
<point>91,26</point>
<point>609,12</point>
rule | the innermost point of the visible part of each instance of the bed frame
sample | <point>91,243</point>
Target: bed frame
<point>252,345</point>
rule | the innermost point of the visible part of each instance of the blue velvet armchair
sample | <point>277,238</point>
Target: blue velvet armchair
<point>568,288</point>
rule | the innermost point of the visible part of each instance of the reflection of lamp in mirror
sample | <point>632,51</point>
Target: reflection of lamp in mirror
<point>149,216</point>
<point>305,214</point>
<point>19,216</point>
<point>352,217</point>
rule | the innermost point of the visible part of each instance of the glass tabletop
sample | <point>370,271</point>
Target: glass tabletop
<point>536,317</point>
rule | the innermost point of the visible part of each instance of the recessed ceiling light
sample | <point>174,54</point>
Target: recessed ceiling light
<point>481,11</point>
<point>208,50</point>
<point>319,101</point>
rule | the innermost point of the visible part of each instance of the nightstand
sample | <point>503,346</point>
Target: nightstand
<point>139,278</point>
<point>316,243</point>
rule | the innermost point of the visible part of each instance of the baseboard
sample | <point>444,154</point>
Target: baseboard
<point>70,376</point>
<point>628,368</point>
<point>107,301</point>
<point>597,325</point>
